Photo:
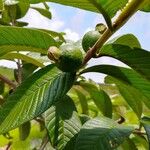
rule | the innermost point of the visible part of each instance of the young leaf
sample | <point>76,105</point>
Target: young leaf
<point>127,76</point>
<point>44,12</point>
<point>130,56</point>
<point>101,134</point>
<point>34,96</point>
<point>62,123</point>
<point>23,39</point>
<point>145,121</point>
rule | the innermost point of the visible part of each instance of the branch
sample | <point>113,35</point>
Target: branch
<point>121,120</point>
<point>9,82</point>
<point>19,71</point>
<point>138,132</point>
<point>44,143</point>
<point>125,15</point>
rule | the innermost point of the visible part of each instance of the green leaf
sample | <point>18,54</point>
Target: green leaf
<point>83,100</point>
<point>44,12</point>
<point>12,56</point>
<point>128,144</point>
<point>36,1</point>
<point>23,39</point>
<point>100,98</point>
<point>146,6</point>
<point>24,130</point>
<point>136,58</point>
<point>21,23</point>
<point>62,123</point>
<point>110,6</point>
<point>34,96</point>
<point>145,121</point>
<point>140,142</point>
<point>101,134</point>
<point>127,40</point>
<point>22,8</point>
<point>127,76</point>
<point>7,72</point>
<point>19,7</point>
<point>132,96</point>
<point>2,87</point>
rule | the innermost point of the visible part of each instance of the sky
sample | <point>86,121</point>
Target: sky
<point>76,22</point>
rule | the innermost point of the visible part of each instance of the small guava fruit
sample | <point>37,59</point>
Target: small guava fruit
<point>68,58</point>
<point>89,39</point>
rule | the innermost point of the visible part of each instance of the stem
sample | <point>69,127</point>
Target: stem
<point>44,143</point>
<point>125,15</point>
<point>19,71</point>
<point>9,82</point>
<point>8,146</point>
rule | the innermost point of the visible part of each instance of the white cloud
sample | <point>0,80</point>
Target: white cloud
<point>38,21</point>
<point>70,35</point>
<point>7,63</point>
<point>77,20</point>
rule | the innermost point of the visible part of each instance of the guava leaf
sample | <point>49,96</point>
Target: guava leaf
<point>101,134</point>
<point>83,100</point>
<point>127,76</point>
<point>136,58</point>
<point>62,122</point>
<point>12,56</point>
<point>44,12</point>
<point>127,40</point>
<point>34,96</point>
<point>146,6</point>
<point>100,98</point>
<point>110,6</point>
<point>145,121</point>
<point>23,39</point>
<point>22,7</point>
<point>132,96</point>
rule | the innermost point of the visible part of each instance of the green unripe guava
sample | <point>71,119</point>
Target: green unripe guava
<point>68,58</point>
<point>89,39</point>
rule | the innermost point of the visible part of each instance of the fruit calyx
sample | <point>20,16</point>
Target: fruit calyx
<point>54,53</point>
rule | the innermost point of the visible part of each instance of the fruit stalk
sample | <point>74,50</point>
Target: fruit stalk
<point>131,7</point>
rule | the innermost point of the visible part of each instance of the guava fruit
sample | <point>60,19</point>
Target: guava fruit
<point>68,57</point>
<point>89,39</point>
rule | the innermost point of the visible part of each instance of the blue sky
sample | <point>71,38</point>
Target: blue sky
<point>76,22</point>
